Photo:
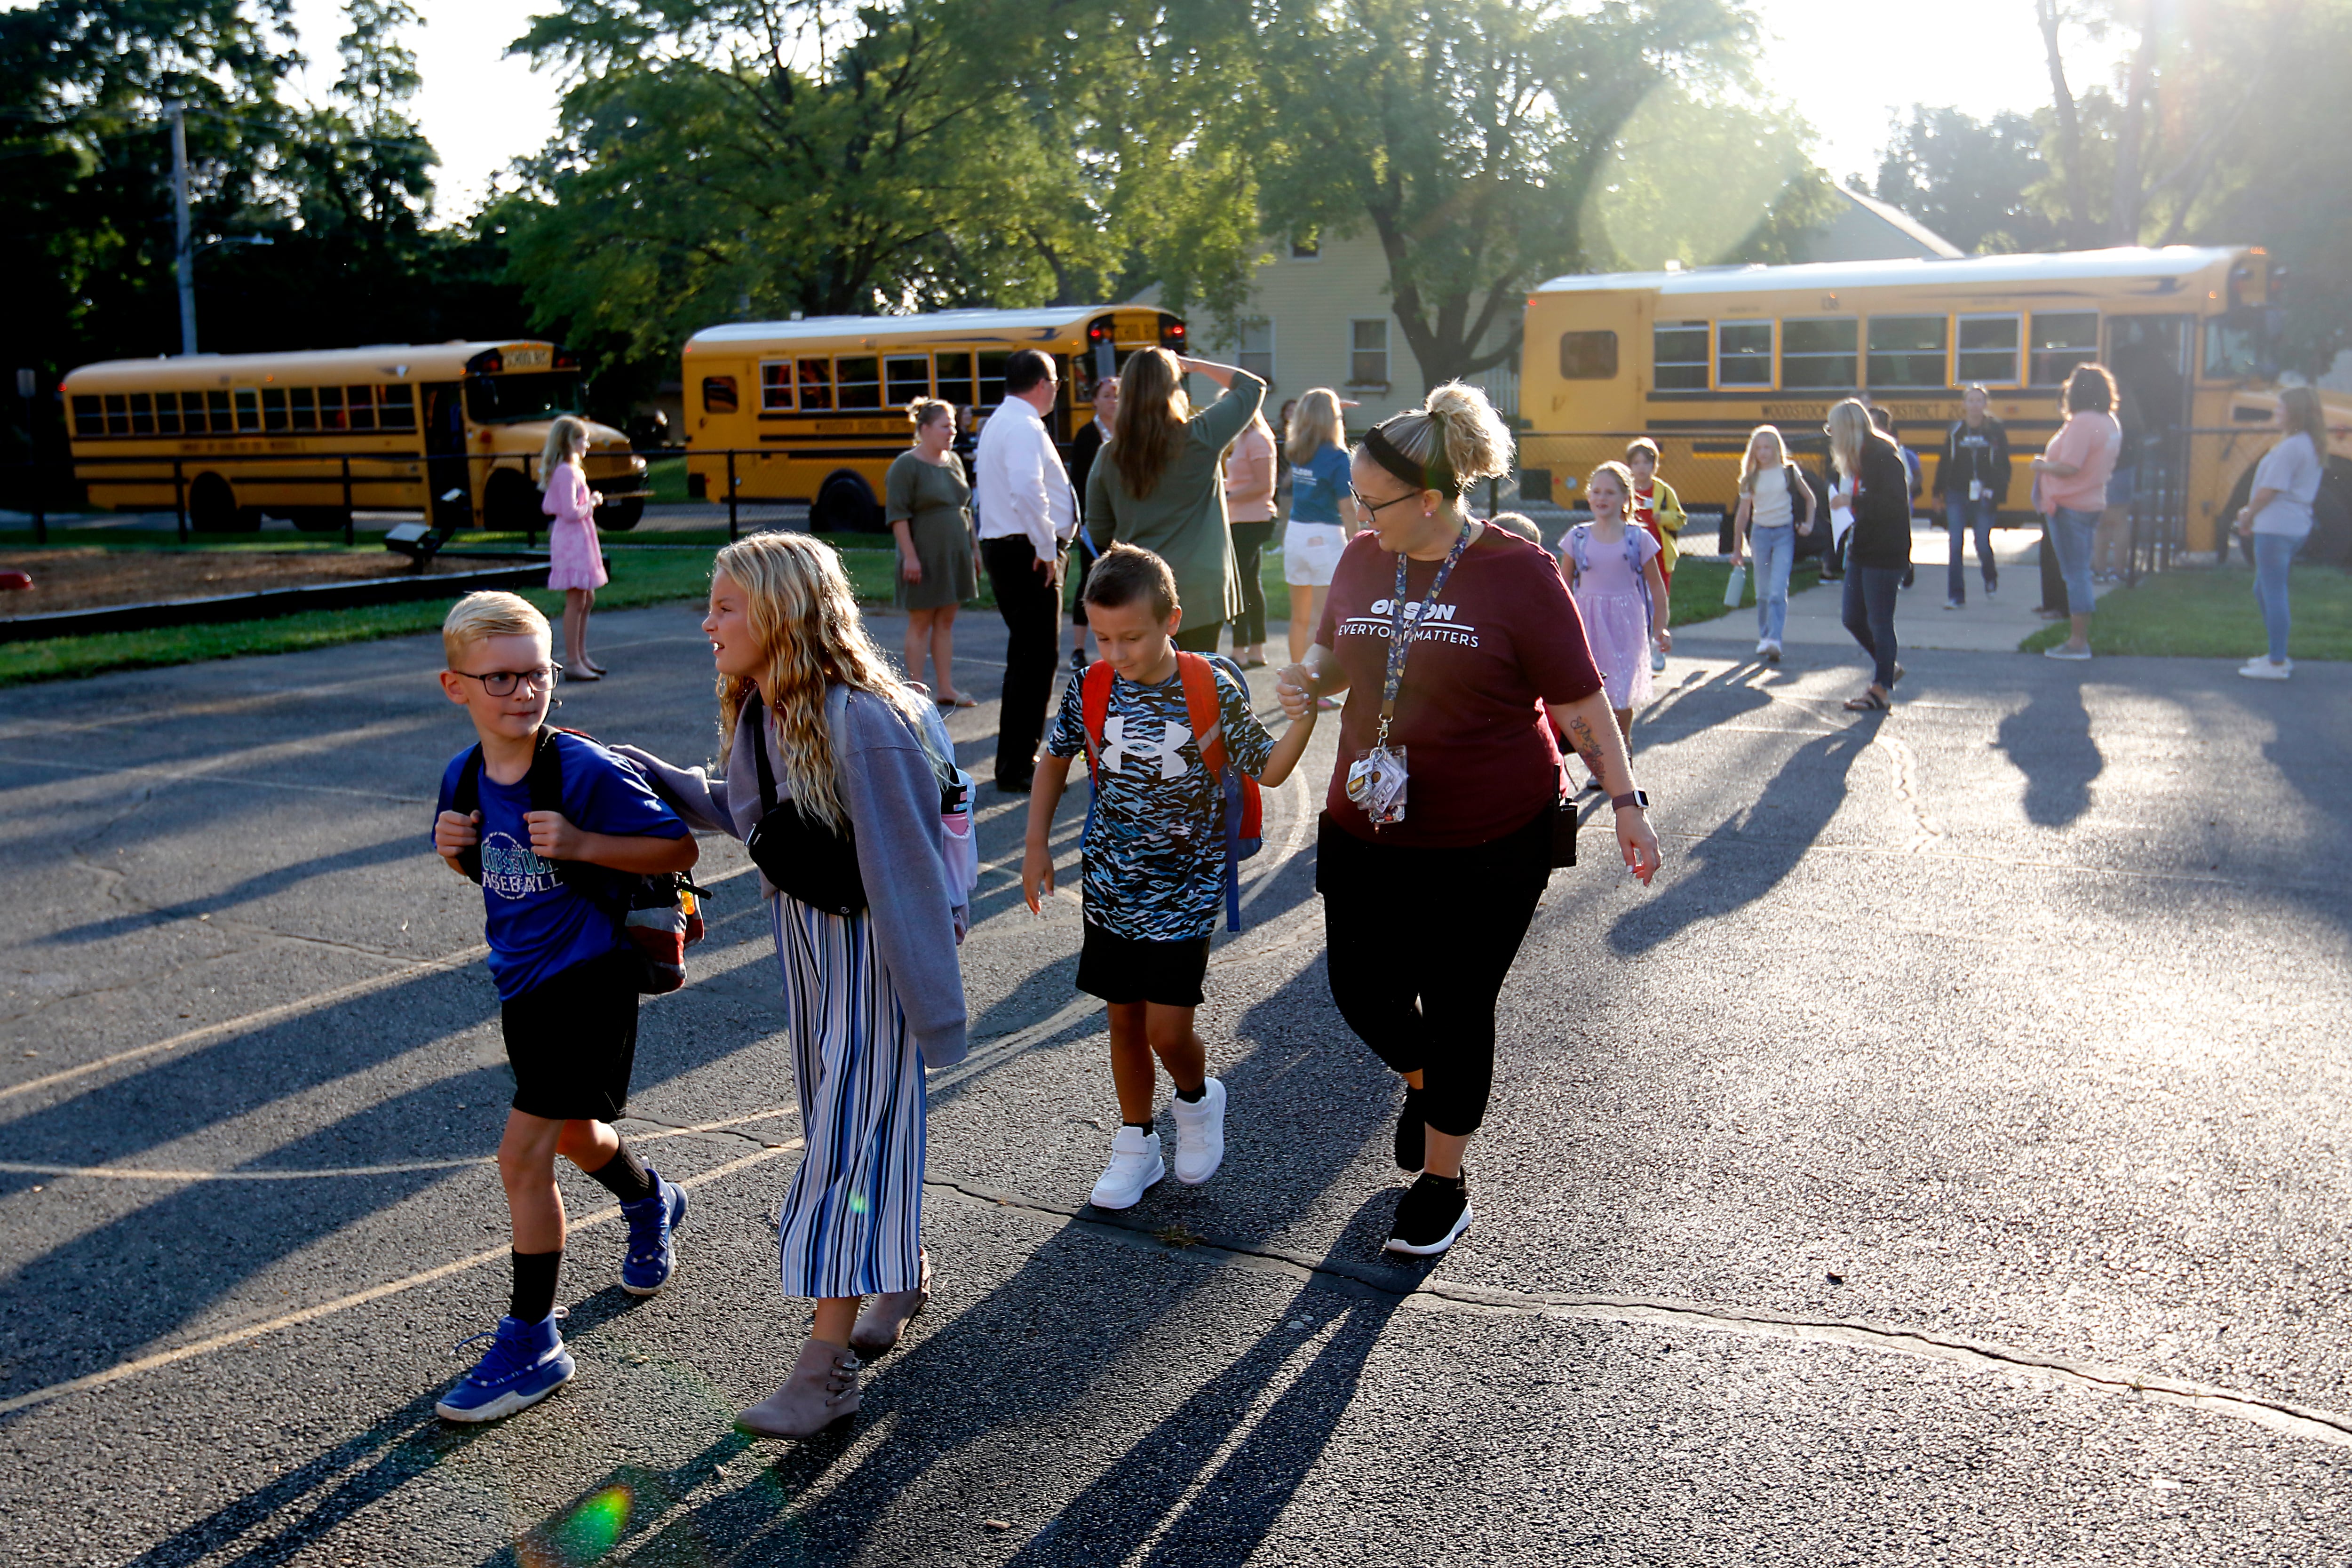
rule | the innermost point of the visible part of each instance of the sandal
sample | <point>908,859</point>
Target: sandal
<point>1871,701</point>
<point>957,699</point>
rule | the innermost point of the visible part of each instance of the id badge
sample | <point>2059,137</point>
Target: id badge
<point>1976,489</point>
<point>1376,782</point>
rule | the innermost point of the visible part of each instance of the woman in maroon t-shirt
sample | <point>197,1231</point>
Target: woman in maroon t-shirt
<point>1499,659</point>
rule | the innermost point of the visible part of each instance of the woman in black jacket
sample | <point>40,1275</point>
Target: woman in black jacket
<point>1972,481</point>
<point>1875,484</point>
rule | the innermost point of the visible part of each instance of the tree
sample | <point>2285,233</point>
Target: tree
<point>1762,193</point>
<point>1968,179</point>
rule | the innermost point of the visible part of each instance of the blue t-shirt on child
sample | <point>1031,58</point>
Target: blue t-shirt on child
<point>1318,485</point>
<point>537,926</point>
<point>1155,858</point>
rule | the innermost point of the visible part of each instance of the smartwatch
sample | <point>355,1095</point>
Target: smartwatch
<point>1640,797</point>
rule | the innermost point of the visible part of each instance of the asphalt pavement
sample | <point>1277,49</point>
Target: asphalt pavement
<point>1943,1162</point>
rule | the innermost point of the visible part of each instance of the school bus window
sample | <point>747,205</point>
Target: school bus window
<point>1743,354</point>
<point>248,409</point>
<point>817,385</point>
<point>955,378</point>
<point>167,413</point>
<point>143,414</point>
<point>330,408</point>
<point>775,385</point>
<point>2063,340</point>
<point>302,406</point>
<point>361,401</point>
<point>87,419</point>
<point>904,378</point>
<point>216,412</point>
<point>2230,348</point>
<point>273,408</point>
<point>1587,356</point>
<point>118,414</point>
<point>992,380</point>
<point>398,408</point>
<point>1678,352</point>
<point>1988,350</point>
<point>718,395</point>
<point>859,381</point>
<point>1818,355</point>
<point>1907,351</point>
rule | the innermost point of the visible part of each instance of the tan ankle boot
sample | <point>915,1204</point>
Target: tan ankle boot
<point>886,1316</point>
<point>822,1390</point>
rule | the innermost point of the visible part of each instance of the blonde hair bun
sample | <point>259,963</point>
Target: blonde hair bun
<point>1478,443</point>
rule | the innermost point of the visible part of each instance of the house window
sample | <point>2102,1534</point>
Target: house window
<point>858,381</point>
<point>775,385</point>
<point>1587,356</point>
<point>1368,359</point>
<point>1306,247</point>
<point>718,395</point>
<point>1743,354</point>
<point>2062,341</point>
<point>1254,350</point>
<point>1907,351</point>
<point>1679,356</point>
<point>1989,350</point>
<point>1818,355</point>
<point>907,377</point>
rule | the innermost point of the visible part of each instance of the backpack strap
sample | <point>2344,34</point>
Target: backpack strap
<point>466,800</point>
<point>1094,711</point>
<point>1579,540</point>
<point>1202,707</point>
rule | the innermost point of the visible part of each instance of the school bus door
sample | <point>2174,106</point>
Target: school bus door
<point>448,486</point>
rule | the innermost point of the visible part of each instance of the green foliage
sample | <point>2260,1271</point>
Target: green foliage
<point>1761,195</point>
<point>1968,179</point>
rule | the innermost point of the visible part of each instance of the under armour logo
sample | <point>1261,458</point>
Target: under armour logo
<point>1117,749</point>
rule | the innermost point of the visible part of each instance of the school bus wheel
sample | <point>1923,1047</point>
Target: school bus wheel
<point>319,519</point>
<point>845,505</point>
<point>213,508</point>
<point>622,515</point>
<point>509,505</point>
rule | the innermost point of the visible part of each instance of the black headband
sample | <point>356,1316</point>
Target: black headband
<point>1437,475</point>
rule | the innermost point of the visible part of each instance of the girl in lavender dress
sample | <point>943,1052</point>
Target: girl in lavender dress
<point>1612,571</point>
<point>574,563</point>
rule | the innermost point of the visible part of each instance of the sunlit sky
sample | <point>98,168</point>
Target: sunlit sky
<point>1847,69</point>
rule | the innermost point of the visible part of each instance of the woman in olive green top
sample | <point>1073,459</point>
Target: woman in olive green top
<point>927,501</point>
<point>1158,484</point>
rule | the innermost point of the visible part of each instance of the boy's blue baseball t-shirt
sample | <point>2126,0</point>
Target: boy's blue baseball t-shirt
<point>1155,857</point>
<point>537,926</point>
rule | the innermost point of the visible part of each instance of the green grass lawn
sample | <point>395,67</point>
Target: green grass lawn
<point>667,478</point>
<point>1699,584</point>
<point>2209,613</point>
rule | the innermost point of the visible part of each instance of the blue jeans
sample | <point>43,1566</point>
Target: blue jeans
<point>2070,533</point>
<point>2273,553</point>
<point>1959,515</point>
<point>1870,595</point>
<point>1773,552</point>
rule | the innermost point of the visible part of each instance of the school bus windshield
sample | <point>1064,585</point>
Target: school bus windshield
<point>508,399</point>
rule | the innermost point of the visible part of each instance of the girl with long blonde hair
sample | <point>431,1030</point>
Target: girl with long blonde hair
<point>574,563</point>
<point>811,717</point>
<point>1776,505</point>
<point>1874,483</point>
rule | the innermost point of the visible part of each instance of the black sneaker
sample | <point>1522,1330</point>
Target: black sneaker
<point>1432,1215</point>
<point>1077,662</point>
<point>1412,1133</point>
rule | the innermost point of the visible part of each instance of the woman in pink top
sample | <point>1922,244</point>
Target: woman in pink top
<point>2070,484</point>
<point>1249,514</point>
<point>574,563</point>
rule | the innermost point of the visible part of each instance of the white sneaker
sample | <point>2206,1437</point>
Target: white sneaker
<point>1134,1167</point>
<point>1199,1134</point>
<point>2263,669</point>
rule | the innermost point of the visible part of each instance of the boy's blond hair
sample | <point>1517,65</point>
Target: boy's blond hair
<point>493,614</point>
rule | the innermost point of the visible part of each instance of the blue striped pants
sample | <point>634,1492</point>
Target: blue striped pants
<point>853,1219</point>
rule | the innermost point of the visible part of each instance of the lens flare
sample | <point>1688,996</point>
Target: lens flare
<point>582,1536</point>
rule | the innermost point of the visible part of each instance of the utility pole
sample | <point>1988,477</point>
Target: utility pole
<point>185,249</point>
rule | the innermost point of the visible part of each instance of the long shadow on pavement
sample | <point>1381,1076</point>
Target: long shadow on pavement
<point>2049,740</point>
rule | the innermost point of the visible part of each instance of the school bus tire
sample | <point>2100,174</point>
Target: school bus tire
<point>213,508</point>
<point>510,504</point>
<point>319,519</point>
<point>623,514</point>
<point>845,505</point>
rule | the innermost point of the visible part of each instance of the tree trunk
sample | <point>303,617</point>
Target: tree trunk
<point>2070,125</point>
<point>2130,197</point>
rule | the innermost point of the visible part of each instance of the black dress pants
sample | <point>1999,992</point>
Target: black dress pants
<point>1031,603</point>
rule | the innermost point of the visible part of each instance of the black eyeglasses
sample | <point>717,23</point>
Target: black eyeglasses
<point>1372,508</point>
<point>502,682</point>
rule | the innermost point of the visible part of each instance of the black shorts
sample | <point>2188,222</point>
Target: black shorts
<point>1120,969</point>
<point>572,1040</point>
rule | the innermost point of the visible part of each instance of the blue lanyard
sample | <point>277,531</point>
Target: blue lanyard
<point>1401,637</point>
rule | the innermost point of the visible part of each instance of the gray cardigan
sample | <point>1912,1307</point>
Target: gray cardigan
<point>893,800</point>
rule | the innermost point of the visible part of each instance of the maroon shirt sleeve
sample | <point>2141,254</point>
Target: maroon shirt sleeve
<point>1548,635</point>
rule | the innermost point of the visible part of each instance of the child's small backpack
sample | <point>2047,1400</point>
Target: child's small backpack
<point>960,849</point>
<point>1244,814</point>
<point>1580,545</point>
<point>660,914</point>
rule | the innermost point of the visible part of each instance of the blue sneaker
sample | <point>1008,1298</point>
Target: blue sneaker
<point>652,1258</point>
<point>525,1364</point>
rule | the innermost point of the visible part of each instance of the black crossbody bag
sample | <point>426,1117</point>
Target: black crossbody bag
<point>800,854</point>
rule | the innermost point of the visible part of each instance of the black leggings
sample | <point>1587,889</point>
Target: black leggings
<point>1435,1014</point>
<point>1249,545</point>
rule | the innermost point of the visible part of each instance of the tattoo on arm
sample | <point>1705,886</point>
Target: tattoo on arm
<point>1587,745</point>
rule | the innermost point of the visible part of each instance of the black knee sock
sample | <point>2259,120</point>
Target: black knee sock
<point>534,1285</point>
<point>1143,1126</point>
<point>1194,1097</point>
<point>623,1176</point>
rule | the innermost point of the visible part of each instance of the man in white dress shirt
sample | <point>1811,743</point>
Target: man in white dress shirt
<point>1028,514</point>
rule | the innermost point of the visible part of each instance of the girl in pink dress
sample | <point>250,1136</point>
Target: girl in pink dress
<point>574,563</point>
<point>1612,571</point>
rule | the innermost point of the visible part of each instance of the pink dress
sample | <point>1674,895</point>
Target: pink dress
<point>1613,598</point>
<point>573,561</point>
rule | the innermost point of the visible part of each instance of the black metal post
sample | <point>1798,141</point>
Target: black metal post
<point>180,497</point>
<point>734,530</point>
<point>350,521</point>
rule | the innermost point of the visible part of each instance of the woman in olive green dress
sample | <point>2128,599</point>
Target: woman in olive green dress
<point>927,501</point>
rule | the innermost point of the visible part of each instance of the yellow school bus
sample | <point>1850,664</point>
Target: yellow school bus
<point>1696,359</point>
<point>813,411</point>
<point>451,430</point>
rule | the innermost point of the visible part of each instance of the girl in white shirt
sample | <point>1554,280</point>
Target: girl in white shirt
<point>1775,505</point>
